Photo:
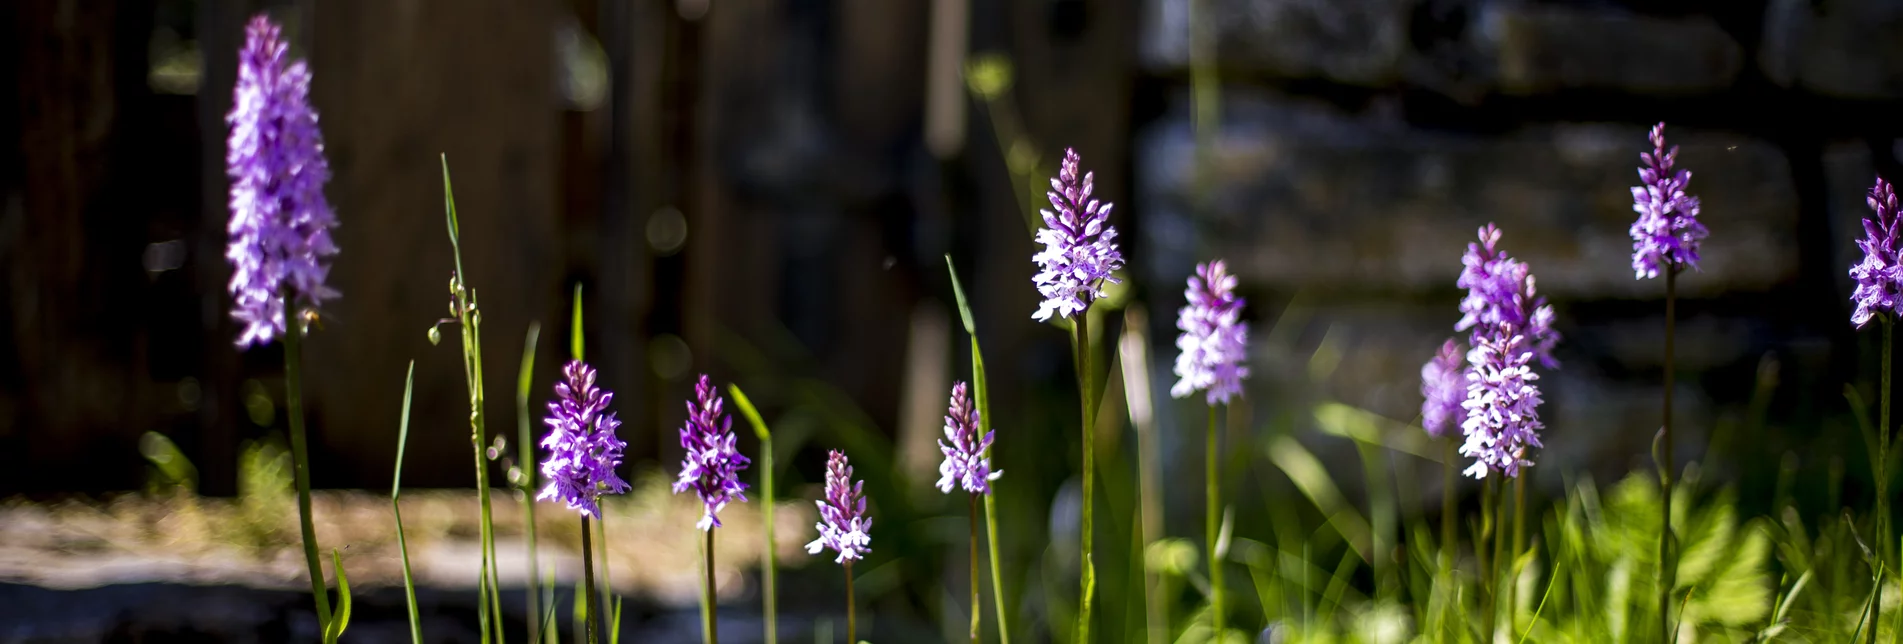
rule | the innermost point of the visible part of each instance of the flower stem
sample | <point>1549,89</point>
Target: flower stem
<point>977,606</point>
<point>526,451</point>
<point>852,623</point>
<point>593,608</point>
<point>1882,523</point>
<point>1080,327</point>
<point>1211,527</point>
<point>1519,539</point>
<point>300,457</point>
<point>1482,550</point>
<point>709,622</point>
<point>1668,571</point>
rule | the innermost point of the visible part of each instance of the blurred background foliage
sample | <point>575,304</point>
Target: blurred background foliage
<point>763,190</point>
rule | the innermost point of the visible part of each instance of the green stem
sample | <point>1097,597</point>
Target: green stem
<point>1211,527</point>
<point>1483,550</point>
<point>593,599</point>
<point>852,622</point>
<point>1080,328</point>
<point>300,457</point>
<point>1668,572</point>
<point>1883,481</point>
<point>991,507</point>
<point>526,452</point>
<point>977,605</point>
<point>470,324</point>
<point>1500,563</point>
<point>772,602</point>
<point>709,625</point>
<point>1519,540</point>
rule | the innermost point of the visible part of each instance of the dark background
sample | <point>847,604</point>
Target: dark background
<point>823,154</point>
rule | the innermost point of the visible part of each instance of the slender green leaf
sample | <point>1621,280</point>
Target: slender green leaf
<point>449,210</point>
<point>958,291</point>
<point>747,409</point>
<point>574,331</point>
<point>524,377</point>
<point>525,447</point>
<point>769,576</point>
<point>982,393</point>
<point>396,487</point>
<point>614,617</point>
<point>340,619</point>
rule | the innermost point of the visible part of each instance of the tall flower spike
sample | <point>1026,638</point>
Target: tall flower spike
<point>843,523</point>
<point>965,464</point>
<point>280,222</point>
<point>1079,254</point>
<point>1443,385</point>
<point>1214,341</point>
<point>1501,294</point>
<point>583,451</point>
<point>1667,232</point>
<point>1879,277</point>
<point>1503,417</point>
<point>712,465</point>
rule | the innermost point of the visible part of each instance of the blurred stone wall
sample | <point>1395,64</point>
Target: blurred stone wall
<point>1362,142</point>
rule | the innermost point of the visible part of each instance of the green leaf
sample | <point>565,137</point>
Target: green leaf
<point>524,378</point>
<point>449,209</point>
<point>614,623</point>
<point>1311,477</point>
<point>396,486</point>
<point>770,593</point>
<point>746,409</point>
<point>340,619</point>
<point>958,291</point>
<point>574,331</point>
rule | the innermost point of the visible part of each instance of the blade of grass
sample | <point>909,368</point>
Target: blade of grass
<point>574,330</point>
<point>1312,479</point>
<point>469,320</point>
<point>983,394</point>
<point>523,380</point>
<point>396,487</point>
<point>770,595</point>
<point>341,619</point>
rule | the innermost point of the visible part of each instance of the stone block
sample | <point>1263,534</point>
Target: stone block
<point>1839,48</point>
<point>1303,197</point>
<point>1360,42</point>
<point>1541,49</point>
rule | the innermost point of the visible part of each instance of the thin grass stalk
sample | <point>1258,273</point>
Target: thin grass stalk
<point>1519,545</point>
<point>300,458</point>
<point>396,487</point>
<point>982,394</point>
<point>1668,572</point>
<point>1211,526</point>
<point>1080,328</point>
<point>1501,565</point>
<point>469,321</point>
<point>1882,523</point>
<point>852,622</point>
<point>977,604</point>
<point>526,451</point>
<point>770,599</point>
<point>1483,549</point>
<point>472,365</point>
<point>592,602</point>
<point>1135,362</point>
<point>709,621</point>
